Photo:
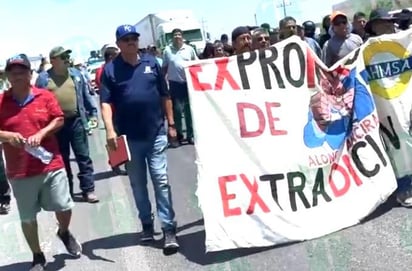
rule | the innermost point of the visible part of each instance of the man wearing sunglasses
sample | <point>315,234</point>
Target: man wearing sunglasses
<point>260,39</point>
<point>72,93</point>
<point>135,86</point>
<point>342,41</point>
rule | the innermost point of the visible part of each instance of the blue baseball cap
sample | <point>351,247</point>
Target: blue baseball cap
<point>124,30</point>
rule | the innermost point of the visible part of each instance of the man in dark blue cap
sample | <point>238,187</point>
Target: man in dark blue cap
<point>136,88</point>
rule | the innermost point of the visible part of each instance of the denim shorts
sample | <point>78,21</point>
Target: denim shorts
<point>49,191</point>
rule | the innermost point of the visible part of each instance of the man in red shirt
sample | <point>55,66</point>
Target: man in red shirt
<point>109,51</point>
<point>29,117</point>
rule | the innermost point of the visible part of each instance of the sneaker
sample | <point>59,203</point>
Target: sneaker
<point>39,262</point>
<point>174,143</point>
<point>147,235</point>
<point>73,247</point>
<point>405,198</point>
<point>170,246</point>
<point>119,172</point>
<point>90,197</point>
<point>4,208</point>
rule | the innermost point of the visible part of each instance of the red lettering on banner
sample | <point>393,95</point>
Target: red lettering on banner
<point>252,187</point>
<point>197,85</point>
<point>245,132</point>
<point>254,196</point>
<point>363,128</point>
<point>338,192</point>
<point>351,170</point>
<point>347,171</point>
<point>310,64</point>
<point>241,107</point>
<point>227,211</point>
<point>323,159</point>
<point>272,119</point>
<point>224,75</point>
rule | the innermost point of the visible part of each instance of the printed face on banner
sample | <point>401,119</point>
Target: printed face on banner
<point>331,108</point>
<point>299,153</point>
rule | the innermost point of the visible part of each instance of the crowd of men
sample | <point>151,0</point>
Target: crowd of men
<point>142,96</point>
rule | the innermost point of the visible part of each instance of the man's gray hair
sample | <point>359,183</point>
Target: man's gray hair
<point>259,31</point>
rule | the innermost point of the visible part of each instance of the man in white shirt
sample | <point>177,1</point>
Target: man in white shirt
<point>174,57</point>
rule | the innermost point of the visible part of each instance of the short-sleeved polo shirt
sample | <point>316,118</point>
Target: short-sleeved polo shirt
<point>175,58</point>
<point>28,118</point>
<point>136,94</point>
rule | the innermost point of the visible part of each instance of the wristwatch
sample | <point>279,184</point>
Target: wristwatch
<point>172,125</point>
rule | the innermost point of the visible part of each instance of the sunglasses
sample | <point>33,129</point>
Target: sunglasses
<point>62,57</point>
<point>263,39</point>
<point>129,38</point>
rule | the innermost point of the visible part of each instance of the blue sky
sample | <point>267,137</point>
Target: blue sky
<point>34,27</point>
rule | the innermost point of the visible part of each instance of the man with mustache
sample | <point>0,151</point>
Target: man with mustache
<point>134,84</point>
<point>287,28</point>
<point>72,93</point>
<point>241,40</point>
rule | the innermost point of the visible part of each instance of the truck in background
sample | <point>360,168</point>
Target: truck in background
<point>156,29</point>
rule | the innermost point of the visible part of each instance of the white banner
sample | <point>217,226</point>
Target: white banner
<point>388,62</point>
<point>286,151</point>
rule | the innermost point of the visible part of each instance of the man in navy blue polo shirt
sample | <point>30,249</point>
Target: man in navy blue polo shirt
<point>134,85</point>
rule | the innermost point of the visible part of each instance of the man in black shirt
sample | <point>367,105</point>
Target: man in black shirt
<point>325,36</point>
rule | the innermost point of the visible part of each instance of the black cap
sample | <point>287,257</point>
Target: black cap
<point>379,14</point>
<point>21,60</point>
<point>240,30</point>
<point>309,26</point>
<point>405,14</point>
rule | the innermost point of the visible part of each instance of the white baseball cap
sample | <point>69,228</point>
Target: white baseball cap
<point>78,61</point>
<point>107,46</point>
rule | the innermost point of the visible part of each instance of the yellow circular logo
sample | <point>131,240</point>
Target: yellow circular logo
<point>389,68</point>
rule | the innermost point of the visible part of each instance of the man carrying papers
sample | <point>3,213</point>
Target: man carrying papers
<point>135,86</point>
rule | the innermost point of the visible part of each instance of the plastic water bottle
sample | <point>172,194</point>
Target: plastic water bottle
<point>40,153</point>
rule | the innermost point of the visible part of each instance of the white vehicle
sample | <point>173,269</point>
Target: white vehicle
<point>156,29</point>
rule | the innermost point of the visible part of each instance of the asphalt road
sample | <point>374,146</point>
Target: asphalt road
<point>109,229</point>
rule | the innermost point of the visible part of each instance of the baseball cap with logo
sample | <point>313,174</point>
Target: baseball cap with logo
<point>58,51</point>
<point>21,60</point>
<point>124,30</point>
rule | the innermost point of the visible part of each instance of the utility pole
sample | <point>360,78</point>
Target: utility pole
<point>204,27</point>
<point>283,5</point>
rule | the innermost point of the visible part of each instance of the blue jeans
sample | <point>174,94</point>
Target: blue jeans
<point>152,155</point>
<point>73,134</point>
<point>404,184</point>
